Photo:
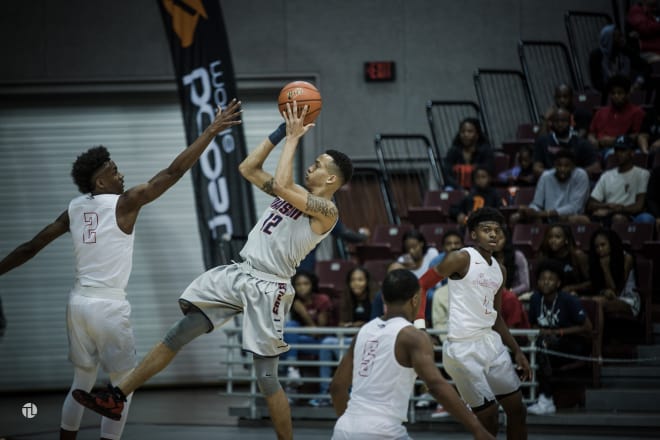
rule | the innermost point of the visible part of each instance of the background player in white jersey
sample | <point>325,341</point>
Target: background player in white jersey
<point>475,353</point>
<point>101,222</point>
<point>380,368</point>
<point>260,288</point>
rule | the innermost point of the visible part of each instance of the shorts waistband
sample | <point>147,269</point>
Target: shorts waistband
<point>478,335</point>
<point>247,268</point>
<point>99,292</point>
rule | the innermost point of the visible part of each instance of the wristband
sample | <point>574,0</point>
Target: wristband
<point>279,134</point>
<point>420,324</point>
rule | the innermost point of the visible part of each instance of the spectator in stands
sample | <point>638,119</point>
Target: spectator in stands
<point>522,174</point>
<point>564,327</point>
<point>355,310</point>
<point>616,57</point>
<point>653,197</point>
<point>612,274</point>
<point>469,148</point>
<point>560,195</point>
<point>620,193</point>
<point>562,136</point>
<point>643,19</point>
<point>620,117</point>
<point>517,275</point>
<point>339,232</point>
<point>648,140</point>
<point>310,309</point>
<point>559,245</point>
<point>417,253</point>
<point>481,194</point>
<point>564,99</point>
<point>515,263</point>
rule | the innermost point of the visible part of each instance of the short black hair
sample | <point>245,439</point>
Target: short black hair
<point>565,153</point>
<point>449,233</point>
<point>550,265</point>
<point>344,163</point>
<point>485,214</point>
<point>619,81</point>
<point>399,286</point>
<point>311,276</point>
<point>86,165</point>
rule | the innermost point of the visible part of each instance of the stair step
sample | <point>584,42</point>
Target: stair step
<point>650,354</point>
<point>618,399</point>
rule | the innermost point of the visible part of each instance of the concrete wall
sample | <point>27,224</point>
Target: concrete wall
<point>437,45</point>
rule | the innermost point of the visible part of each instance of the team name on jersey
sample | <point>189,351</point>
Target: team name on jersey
<point>286,208</point>
<point>484,281</point>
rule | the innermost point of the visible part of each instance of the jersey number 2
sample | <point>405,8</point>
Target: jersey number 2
<point>91,220</point>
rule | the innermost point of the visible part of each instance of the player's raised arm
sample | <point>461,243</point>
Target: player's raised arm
<point>29,249</point>
<point>134,198</point>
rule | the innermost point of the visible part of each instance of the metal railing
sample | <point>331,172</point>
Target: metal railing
<point>241,380</point>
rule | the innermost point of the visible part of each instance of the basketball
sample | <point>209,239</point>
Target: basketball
<point>303,93</point>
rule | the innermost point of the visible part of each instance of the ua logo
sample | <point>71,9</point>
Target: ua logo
<point>185,14</point>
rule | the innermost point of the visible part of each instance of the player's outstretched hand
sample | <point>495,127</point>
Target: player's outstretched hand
<point>228,117</point>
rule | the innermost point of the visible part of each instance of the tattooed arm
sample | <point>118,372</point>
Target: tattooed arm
<point>252,167</point>
<point>321,210</point>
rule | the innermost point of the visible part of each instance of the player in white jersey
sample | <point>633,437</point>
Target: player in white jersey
<point>380,368</point>
<point>259,287</point>
<point>475,354</point>
<point>101,222</point>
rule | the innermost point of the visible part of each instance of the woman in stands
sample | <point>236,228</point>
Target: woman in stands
<point>559,244</point>
<point>612,274</point>
<point>469,148</point>
<point>417,253</point>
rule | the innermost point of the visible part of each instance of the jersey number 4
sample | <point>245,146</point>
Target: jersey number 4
<point>271,222</point>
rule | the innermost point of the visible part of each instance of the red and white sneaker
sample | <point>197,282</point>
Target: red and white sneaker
<point>439,413</point>
<point>109,403</point>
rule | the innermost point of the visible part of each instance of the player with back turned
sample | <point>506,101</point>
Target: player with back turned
<point>475,353</point>
<point>101,222</point>
<point>259,287</point>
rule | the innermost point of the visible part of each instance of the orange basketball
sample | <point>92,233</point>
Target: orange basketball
<point>303,93</point>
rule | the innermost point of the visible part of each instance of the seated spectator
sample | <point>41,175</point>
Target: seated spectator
<point>612,274</point>
<point>481,194</point>
<point>615,57</point>
<point>564,327</point>
<point>517,272</point>
<point>562,136</point>
<point>417,253</point>
<point>620,117</point>
<point>559,245</point>
<point>642,18</point>
<point>437,316</point>
<point>469,149</point>
<point>648,140</point>
<point>522,173</point>
<point>560,195</point>
<point>565,99</point>
<point>653,197</point>
<point>515,263</point>
<point>620,193</point>
<point>310,309</point>
<point>355,310</point>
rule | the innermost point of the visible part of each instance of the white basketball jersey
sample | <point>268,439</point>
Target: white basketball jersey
<point>104,253</point>
<point>471,310</point>
<point>280,240</point>
<point>380,384</point>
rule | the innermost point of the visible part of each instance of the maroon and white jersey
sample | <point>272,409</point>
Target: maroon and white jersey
<point>104,253</point>
<point>280,240</point>
<point>471,311</point>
